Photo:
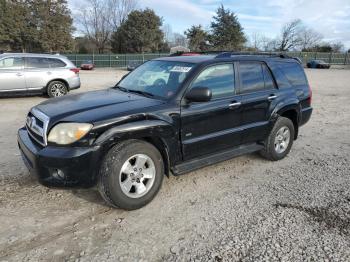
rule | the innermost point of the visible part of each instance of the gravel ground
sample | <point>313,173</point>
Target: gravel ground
<point>244,209</point>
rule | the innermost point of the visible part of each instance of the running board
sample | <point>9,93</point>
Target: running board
<point>208,160</point>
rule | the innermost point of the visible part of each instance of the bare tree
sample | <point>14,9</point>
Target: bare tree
<point>168,33</point>
<point>272,45</point>
<point>120,10</point>
<point>290,35</point>
<point>309,38</point>
<point>99,18</point>
<point>259,41</point>
<point>337,47</point>
<point>266,43</point>
<point>179,39</point>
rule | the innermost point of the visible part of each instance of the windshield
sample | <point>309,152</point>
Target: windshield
<point>156,78</point>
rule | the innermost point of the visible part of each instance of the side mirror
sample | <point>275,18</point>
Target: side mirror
<point>199,94</point>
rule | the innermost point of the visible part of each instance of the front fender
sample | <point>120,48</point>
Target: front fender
<point>160,133</point>
<point>144,128</point>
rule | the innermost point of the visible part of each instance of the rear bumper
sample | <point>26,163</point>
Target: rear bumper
<point>79,165</point>
<point>305,115</point>
<point>74,83</point>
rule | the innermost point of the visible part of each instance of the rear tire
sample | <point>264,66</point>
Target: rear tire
<point>131,174</point>
<point>56,89</point>
<point>280,140</point>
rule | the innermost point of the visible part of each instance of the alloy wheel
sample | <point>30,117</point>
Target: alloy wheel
<point>282,139</point>
<point>137,176</point>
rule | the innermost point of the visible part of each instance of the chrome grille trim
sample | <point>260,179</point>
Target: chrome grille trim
<point>33,127</point>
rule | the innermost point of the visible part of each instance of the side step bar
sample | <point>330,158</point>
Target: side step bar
<point>208,160</point>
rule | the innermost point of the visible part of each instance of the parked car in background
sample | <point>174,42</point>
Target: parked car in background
<point>53,75</point>
<point>87,65</point>
<point>318,64</point>
<point>194,111</point>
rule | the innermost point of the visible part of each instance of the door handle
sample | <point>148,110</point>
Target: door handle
<point>19,74</point>
<point>271,97</point>
<point>234,104</point>
<point>49,73</point>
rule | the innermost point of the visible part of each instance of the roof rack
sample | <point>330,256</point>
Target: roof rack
<point>228,54</point>
<point>268,54</point>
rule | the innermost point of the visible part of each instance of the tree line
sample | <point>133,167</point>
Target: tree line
<point>35,25</point>
<point>119,26</point>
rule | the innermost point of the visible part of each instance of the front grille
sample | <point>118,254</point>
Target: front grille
<point>36,125</point>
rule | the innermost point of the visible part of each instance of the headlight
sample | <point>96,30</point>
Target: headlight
<point>67,133</point>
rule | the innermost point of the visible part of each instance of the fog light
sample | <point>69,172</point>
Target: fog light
<point>58,173</point>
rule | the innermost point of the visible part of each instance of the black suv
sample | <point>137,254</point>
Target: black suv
<point>170,115</point>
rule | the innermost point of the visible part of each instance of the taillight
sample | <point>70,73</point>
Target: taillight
<point>75,70</point>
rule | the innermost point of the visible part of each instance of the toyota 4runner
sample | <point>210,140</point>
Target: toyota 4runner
<point>170,115</point>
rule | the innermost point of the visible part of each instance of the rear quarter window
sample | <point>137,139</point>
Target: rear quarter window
<point>294,73</point>
<point>56,63</point>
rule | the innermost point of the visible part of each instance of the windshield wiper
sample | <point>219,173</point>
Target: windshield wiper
<point>144,93</point>
<point>121,88</point>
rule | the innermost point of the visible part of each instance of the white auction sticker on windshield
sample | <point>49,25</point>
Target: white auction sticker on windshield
<point>181,69</point>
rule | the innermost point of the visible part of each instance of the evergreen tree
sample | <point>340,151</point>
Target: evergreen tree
<point>227,32</point>
<point>54,25</point>
<point>35,25</point>
<point>197,38</point>
<point>15,25</point>
<point>140,32</point>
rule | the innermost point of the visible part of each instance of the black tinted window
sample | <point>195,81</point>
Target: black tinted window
<point>269,84</point>
<point>56,62</point>
<point>251,76</point>
<point>37,62</point>
<point>219,79</point>
<point>294,73</point>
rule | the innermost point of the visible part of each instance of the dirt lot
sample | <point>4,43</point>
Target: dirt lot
<point>245,209</point>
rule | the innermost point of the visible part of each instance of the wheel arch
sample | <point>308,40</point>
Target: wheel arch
<point>292,113</point>
<point>56,79</point>
<point>162,147</point>
<point>156,132</point>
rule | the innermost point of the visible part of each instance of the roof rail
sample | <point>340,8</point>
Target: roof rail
<point>267,54</point>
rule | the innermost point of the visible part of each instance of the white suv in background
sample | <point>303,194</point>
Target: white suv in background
<point>53,75</point>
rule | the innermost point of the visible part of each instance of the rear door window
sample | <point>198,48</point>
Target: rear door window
<point>269,84</point>
<point>37,62</point>
<point>294,73</point>
<point>252,77</point>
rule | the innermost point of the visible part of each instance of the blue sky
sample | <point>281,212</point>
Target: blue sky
<point>329,17</point>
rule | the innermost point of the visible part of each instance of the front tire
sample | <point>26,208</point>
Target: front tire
<point>56,89</point>
<point>280,140</point>
<point>131,174</point>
